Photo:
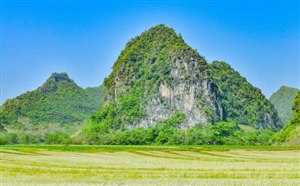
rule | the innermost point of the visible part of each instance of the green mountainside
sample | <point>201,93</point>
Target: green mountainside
<point>95,95</point>
<point>242,102</point>
<point>59,105</point>
<point>283,100</point>
<point>162,91</point>
<point>290,134</point>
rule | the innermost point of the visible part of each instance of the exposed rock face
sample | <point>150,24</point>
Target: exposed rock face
<point>156,75</point>
<point>189,96</point>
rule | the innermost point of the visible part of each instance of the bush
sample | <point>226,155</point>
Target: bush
<point>57,138</point>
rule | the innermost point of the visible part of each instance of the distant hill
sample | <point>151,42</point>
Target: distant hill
<point>283,100</point>
<point>290,134</point>
<point>58,105</point>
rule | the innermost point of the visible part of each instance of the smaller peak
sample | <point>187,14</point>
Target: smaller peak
<point>286,87</point>
<point>51,83</point>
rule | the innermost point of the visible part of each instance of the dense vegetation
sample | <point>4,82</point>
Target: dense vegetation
<point>168,133</point>
<point>283,100</point>
<point>231,110</point>
<point>242,102</point>
<point>290,134</point>
<point>59,105</point>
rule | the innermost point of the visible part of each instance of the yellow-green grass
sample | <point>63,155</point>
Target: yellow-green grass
<point>148,165</point>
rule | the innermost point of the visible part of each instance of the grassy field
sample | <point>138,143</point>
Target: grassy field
<point>149,165</point>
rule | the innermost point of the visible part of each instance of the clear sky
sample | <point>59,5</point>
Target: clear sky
<point>84,38</point>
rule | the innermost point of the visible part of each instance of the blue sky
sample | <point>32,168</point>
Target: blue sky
<point>84,38</point>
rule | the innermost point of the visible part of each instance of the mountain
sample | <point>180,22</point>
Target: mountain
<point>58,105</point>
<point>283,100</point>
<point>161,87</point>
<point>242,102</point>
<point>290,134</point>
<point>156,76</point>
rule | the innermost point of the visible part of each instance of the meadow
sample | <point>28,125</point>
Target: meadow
<point>149,165</point>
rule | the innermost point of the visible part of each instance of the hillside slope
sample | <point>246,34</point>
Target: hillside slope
<point>290,134</point>
<point>95,95</point>
<point>242,102</point>
<point>283,100</point>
